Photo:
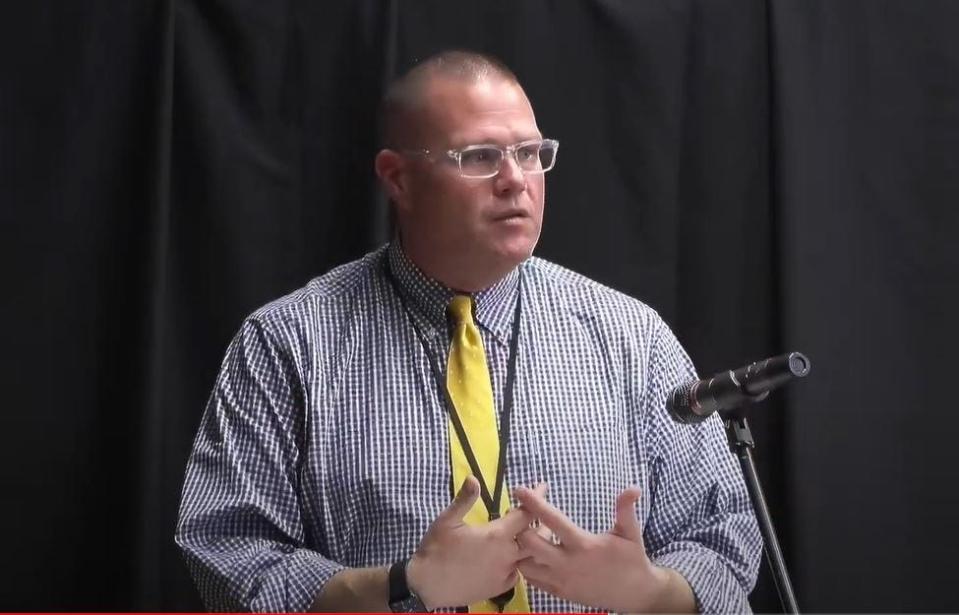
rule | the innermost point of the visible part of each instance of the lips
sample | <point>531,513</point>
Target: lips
<point>509,215</point>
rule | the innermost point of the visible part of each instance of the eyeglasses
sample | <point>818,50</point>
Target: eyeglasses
<point>486,160</point>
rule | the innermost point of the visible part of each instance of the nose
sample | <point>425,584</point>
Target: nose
<point>510,178</point>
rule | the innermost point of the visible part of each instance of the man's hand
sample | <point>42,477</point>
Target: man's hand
<point>609,571</point>
<point>457,564</point>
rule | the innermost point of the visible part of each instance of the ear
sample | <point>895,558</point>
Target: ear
<point>390,168</point>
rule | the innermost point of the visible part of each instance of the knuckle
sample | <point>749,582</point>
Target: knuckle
<point>591,545</point>
<point>492,537</point>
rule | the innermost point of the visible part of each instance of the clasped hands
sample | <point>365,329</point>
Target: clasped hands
<point>458,564</point>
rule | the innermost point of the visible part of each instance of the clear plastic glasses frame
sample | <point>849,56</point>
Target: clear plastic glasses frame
<point>485,160</point>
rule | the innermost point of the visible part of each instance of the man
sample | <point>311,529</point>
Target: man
<point>363,436</point>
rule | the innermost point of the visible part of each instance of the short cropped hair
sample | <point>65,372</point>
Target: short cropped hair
<point>404,96</point>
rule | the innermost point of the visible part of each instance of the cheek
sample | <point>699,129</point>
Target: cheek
<point>449,208</point>
<point>469,200</point>
<point>537,192</point>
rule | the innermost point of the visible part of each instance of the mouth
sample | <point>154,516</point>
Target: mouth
<point>512,215</point>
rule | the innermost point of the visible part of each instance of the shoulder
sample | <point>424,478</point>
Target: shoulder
<point>326,299</point>
<point>630,332</point>
<point>568,291</point>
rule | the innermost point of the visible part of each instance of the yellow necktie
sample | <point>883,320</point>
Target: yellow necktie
<point>468,381</point>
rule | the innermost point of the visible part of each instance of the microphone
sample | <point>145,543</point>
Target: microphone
<point>694,401</point>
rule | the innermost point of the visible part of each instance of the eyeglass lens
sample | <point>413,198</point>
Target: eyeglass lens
<point>486,161</point>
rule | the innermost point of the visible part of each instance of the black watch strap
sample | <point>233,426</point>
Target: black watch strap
<point>401,599</point>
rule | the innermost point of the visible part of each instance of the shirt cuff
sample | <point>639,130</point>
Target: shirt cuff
<point>307,573</point>
<point>715,587</point>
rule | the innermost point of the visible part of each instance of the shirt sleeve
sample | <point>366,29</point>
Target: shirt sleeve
<point>240,525</point>
<point>701,522</point>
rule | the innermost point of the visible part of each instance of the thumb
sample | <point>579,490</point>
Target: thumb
<point>541,489</point>
<point>463,501</point>
<point>627,525</point>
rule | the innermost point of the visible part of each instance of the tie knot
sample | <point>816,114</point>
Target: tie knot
<point>461,309</point>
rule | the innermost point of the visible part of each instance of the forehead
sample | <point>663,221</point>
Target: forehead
<point>491,109</point>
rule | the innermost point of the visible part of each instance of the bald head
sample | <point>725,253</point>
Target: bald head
<point>402,113</point>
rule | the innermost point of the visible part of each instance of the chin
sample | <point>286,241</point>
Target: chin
<point>515,252</point>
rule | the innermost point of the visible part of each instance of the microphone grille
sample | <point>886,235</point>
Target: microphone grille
<point>799,364</point>
<point>679,404</point>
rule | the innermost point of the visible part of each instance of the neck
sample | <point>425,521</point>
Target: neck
<point>462,279</point>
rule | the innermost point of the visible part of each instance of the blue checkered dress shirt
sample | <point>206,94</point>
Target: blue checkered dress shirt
<point>325,445</point>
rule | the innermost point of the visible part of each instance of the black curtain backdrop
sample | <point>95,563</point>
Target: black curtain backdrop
<point>770,175</point>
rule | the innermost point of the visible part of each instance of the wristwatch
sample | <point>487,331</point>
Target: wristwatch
<point>402,600</point>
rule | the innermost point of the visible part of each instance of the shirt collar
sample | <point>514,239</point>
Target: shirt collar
<point>430,298</point>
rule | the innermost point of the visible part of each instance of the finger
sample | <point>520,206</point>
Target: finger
<point>510,580</point>
<point>532,543</point>
<point>538,575</point>
<point>567,531</point>
<point>542,531</point>
<point>530,569</point>
<point>462,503</point>
<point>515,522</point>
<point>627,524</point>
<point>518,518</point>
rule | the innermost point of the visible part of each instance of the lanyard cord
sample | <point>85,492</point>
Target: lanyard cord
<point>490,501</point>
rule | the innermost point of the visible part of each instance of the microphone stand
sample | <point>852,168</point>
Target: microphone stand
<point>741,444</point>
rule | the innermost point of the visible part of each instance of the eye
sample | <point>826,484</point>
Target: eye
<point>528,153</point>
<point>475,156</point>
<point>480,156</point>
